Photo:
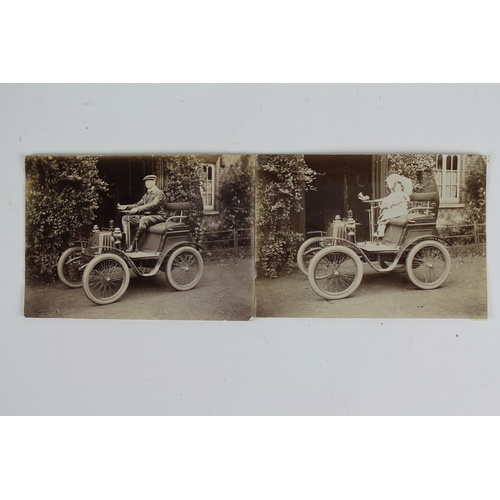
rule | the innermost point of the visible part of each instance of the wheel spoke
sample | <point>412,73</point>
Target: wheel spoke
<point>429,265</point>
<point>106,279</point>
<point>335,272</point>
<point>185,268</point>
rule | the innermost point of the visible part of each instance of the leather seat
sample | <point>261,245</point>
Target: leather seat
<point>164,227</point>
<point>401,221</point>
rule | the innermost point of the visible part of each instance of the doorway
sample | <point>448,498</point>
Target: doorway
<point>340,179</point>
<point>124,175</point>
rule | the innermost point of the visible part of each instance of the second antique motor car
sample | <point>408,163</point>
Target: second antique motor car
<point>333,261</point>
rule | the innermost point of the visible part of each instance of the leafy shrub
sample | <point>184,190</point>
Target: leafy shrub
<point>416,167</point>
<point>474,190</point>
<point>281,183</point>
<point>62,196</point>
<point>183,175</point>
<point>457,234</point>
<point>421,169</point>
<point>236,196</point>
<point>236,204</point>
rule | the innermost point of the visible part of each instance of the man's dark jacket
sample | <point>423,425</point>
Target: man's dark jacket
<point>152,203</point>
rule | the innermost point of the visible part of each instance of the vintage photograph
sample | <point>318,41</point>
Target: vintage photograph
<point>336,236</point>
<point>140,237</point>
<point>371,236</point>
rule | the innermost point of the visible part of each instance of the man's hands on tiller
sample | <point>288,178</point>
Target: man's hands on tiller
<point>124,207</point>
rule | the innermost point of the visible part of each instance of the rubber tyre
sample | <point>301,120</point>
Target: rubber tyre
<point>307,251</point>
<point>335,272</point>
<point>184,268</point>
<point>68,267</point>
<point>106,279</point>
<point>428,264</point>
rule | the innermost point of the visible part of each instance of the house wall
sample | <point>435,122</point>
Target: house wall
<point>456,214</point>
<point>226,167</point>
<point>449,214</point>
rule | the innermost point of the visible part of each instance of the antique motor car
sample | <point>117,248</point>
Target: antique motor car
<point>103,268</point>
<point>333,260</point>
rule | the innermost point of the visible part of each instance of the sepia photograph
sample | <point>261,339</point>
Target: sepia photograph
<point>140,237</point>
<point>371,236</point>
<point>337,236</point>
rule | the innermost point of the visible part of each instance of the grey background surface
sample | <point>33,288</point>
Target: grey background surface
<point>267,367</point>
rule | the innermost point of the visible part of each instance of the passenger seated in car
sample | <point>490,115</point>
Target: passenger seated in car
<point>393,206</point>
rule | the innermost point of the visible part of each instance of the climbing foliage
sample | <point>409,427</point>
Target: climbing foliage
<point>417,167</point>
<point>62,196</point>
<point>183,178</point>
<point>474,190</point>
<point>282,181</point>
<point>236,195</point>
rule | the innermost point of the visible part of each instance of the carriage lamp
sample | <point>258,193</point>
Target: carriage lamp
<point>117,235</point>
<point>351,227</point>
<point>339,227</point>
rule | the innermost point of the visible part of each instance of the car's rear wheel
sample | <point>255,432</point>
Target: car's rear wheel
<point>106,279</point>
<point>70,267</point>
<point>428,264</point>
<point>184,268</point>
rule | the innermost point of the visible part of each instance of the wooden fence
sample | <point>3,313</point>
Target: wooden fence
<point>464,234</point>
<point>236,238</point>
<point>233,238</point>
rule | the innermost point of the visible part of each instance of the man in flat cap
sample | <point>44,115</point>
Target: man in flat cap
<point>148,211</point>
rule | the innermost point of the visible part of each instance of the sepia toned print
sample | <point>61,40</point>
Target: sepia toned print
<point>337,236</point>
<point>371,236</point>
<point>141,237</point>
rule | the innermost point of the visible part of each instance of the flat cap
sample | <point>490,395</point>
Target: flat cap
<point>149,178</point>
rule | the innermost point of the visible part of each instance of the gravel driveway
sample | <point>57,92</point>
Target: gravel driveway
<point>463,295</point>
<point>225,292</point>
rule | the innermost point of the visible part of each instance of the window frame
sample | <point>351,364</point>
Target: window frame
<point>445,178</point>
<point>209,186</point>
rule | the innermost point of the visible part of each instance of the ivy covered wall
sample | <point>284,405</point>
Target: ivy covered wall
<point>282,181</point>
<point>62,197</point>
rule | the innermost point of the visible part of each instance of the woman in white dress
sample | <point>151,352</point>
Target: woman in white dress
<point>395,205</point>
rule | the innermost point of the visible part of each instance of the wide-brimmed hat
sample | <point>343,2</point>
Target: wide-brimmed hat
<point>149,178</point>
<point>393,179</point>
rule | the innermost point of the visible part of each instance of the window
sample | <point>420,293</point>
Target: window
<point>448,178</point>
<point>207,187</point>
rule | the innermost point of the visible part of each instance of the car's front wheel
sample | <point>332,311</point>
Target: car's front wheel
<point>335,272</point>
<point>106,279</point>
<point>307,251</point>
